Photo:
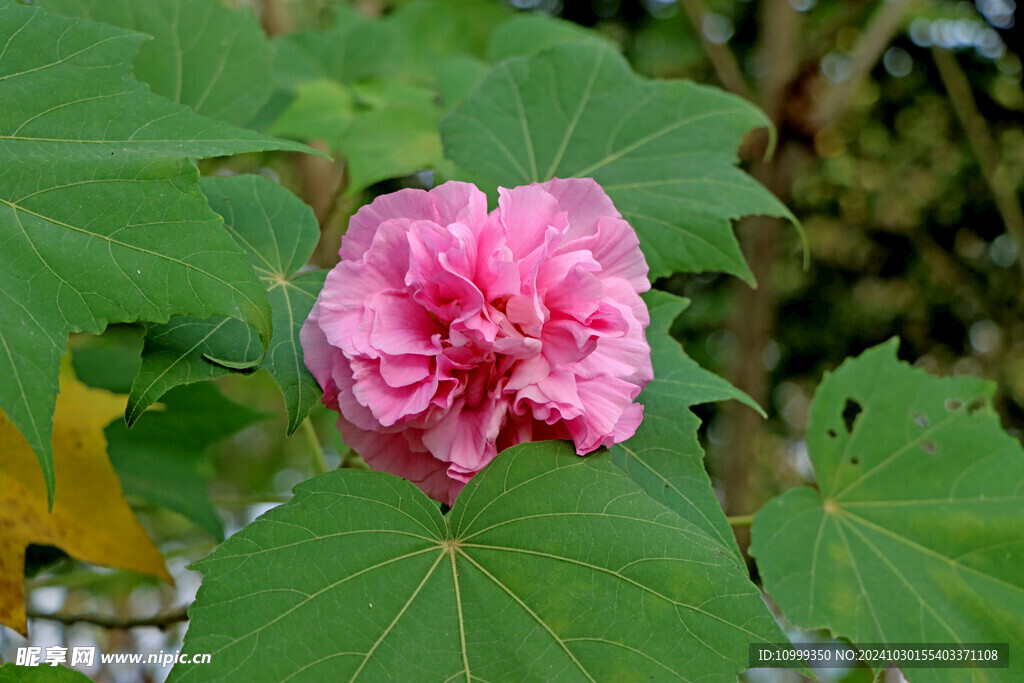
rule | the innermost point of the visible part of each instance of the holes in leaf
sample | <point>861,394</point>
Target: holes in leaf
<point>850,412</point>
<point>929,447</point>
<point>854,461</point>
<point>976,405</point>
<point>831,433</point>
<point>953,404</point>
<point>921,420</point>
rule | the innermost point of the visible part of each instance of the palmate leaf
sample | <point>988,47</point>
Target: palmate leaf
<point>664,456</point>
<point>664,151</point>
<point>916,533</point>
<point>548,567</point>
<point>101,219</point>
<point>278,233</point>
<point>210,58</point>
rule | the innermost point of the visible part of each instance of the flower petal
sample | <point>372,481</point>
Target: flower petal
<point>408,205</point>
<point>528,214</point>
<point>392,453</point>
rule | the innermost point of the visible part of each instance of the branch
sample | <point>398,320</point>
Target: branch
<point>721,57</point>
<point>737,521</point>
<point>163,621</point>
<point>980,139</point>
<point>275,18</point>
<point>876,37</point>
<point>781,29</point>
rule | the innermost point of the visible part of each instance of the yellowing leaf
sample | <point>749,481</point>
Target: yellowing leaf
<point>90,519</point>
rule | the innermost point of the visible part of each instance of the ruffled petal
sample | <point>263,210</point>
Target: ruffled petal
<point>407,205</point>
<point>606,401</point>
<point>528,214</point>
<point>465,436</point>
<point>617,248</point>
<point>401,326</point>
<point>457,202</point>
<point>583,201</point>
<point>388,403</point>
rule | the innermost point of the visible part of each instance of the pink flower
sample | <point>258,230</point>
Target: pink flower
<point>446,335</point>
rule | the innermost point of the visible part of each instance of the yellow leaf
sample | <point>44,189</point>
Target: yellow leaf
<point>90,519</point>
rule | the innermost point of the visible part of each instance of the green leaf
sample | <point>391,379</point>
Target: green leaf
<point>383,129</point>
<point>210,58</point>
<point>664,151</point>
<point>664,457</point>
<point>379,94</point>
<point>11,673</point>
<point>548,567</point>
<point>528,34</point>
<point>916,531</point>
<point>109,361</point>
<point>100,214</point>
<point>278,233</point>
<point>161,459</point>
<point>407,45</point>
<point>355,48</point>
<point>186,350</point>
<point>428,32</point>
<point>457,76</point>
<point>389,70</point>
<point>390,143</point>
<point>322,111</point>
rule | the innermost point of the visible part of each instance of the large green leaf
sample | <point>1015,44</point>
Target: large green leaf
<point>101,219</point>
<point>665,152</point>
<point>162,458</point>
<point>664,456</point>
<point>916,531</point>
<point>278,233</point>
<point>548,567</point>
<point>203,55</point>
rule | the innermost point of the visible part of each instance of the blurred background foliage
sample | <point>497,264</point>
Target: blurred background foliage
<point>900,149</point>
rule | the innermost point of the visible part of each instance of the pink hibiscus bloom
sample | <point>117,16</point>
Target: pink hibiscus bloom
<point>447,334</point>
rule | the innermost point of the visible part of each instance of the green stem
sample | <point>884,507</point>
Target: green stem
<point>740,520</point>
<point>319,464</point>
